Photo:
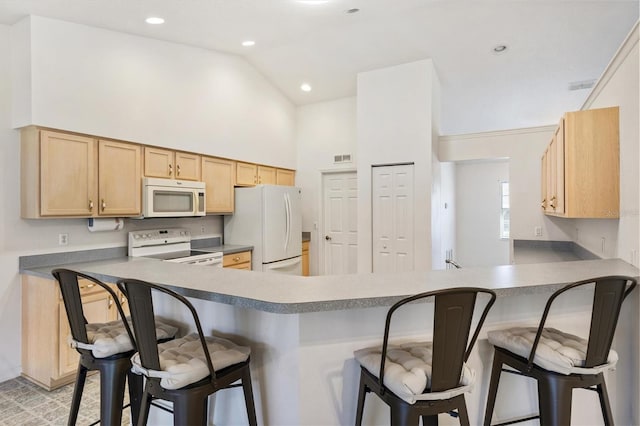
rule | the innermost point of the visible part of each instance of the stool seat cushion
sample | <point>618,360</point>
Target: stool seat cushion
<point>111,338</point>
<point>557,351</point>
<point>407,371</point>
<point>182,361</point>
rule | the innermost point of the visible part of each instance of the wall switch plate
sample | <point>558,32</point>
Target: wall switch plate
<point>63,239</point>
<point>537,231</point>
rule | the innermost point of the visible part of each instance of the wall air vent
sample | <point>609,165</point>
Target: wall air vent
<point>580,85</point>
<point>342,158</point>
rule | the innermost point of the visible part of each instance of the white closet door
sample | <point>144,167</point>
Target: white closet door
<point>340,223</point>
<point>392,218</point>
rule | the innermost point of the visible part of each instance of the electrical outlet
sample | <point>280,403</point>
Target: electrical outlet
<point>537,231</point>
<point>202,229</point>
<point>63,239</point>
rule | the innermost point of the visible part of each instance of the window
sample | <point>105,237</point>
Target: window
<point>504,210</point>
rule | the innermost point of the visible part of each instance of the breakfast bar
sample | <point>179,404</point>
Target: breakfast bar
<point>303,331</point>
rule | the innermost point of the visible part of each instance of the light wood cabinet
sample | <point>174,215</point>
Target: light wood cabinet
<point>285,177</point>
<point>248,174</point>
<point>65,174</point>
<point>305,258</point>
<point>266,175</point>
<point>240,260</point>
<point>219,178</point>
<point>68,175</point>
<point>119,176</point>
<point>166,163</point>
<point>47,357</point>
<point>581,166</point>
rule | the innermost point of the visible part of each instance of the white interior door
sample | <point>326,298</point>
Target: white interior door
<point>340,223</point>
<point>392,218</point>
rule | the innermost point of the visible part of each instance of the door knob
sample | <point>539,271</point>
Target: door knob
<point>328,238</point>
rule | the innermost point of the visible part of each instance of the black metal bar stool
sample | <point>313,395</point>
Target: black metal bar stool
<point>561,362</point>
<point>186,370</point>
<point>106,348</point>
<point>423,379</point>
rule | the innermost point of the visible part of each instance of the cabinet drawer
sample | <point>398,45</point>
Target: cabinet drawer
<point>236,258</point>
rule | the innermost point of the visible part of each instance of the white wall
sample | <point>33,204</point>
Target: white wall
<point>106,83</point>
<point>322,130</point>
<point>523,148</point>
<point>619,86</point>
<point>478,207</point>
<point>111,84</point>
<point>394,125</point>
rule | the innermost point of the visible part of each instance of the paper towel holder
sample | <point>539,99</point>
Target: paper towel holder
<point>105,224</point>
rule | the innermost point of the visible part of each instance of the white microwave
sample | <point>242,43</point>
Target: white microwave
<point>172,198</point>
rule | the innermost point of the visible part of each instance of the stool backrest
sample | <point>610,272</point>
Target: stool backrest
<point>139,294</point>
<point>68,281</point>
<point>452,323</point>
<point>609,293</point>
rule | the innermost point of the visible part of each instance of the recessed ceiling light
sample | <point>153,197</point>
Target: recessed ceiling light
<point>248,43</point>
<point>501,48</point>
<point>305,87</point>
<point>354,10</point>
<point>154,20</point>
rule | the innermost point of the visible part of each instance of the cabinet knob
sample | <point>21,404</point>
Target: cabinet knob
<point>178,170</point>
<point>236,259</point>
<point>552,203</point>
<point>170,169</point>
<point>328,238</point>
<point>543,204</point>
<point>103,205</point>
<point>90,205</point>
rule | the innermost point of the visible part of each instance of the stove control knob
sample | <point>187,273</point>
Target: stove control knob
<point>148,235</point>
<point>136,237</point>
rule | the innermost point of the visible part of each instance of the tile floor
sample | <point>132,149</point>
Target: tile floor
<point>23,403</point>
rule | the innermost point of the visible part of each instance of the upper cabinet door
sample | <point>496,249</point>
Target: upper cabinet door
<point>246,174</point>
<point>187,166</point>
<point>266,175</point>
<point>285,177</point>
<point>119,178</point>
<point>67,175</point>
<point>158,163</point>
<point>219,176</point>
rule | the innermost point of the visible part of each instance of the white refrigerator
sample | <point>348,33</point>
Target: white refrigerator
<point>268,218</point>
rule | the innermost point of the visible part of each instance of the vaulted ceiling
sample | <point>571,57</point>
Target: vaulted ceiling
<point>549,45</point>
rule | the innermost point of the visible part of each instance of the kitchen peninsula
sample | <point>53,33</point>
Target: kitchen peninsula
<point>303,330</point>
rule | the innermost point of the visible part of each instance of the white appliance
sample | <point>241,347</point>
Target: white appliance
<point>172,198</point>
<point>268,218</point>
<point>170,245</point>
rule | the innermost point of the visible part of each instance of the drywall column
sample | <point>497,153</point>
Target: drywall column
<point>395,117</point>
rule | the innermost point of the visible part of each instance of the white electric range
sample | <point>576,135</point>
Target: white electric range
<point>170,245</point>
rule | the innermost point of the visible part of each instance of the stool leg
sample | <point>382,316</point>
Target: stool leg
<point>136,383</point>
<point>113,376</point>
<point>248,396</point>
<point>554,401</point>
<point>404,416</point>
<point>81,377</point>
<point>362,393</point>
<point>604,402</point>
<point>496,370</point>
<point>430,420</point>
<point>463,415</point>
<point>145,405</point>
<point>190,411</point>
